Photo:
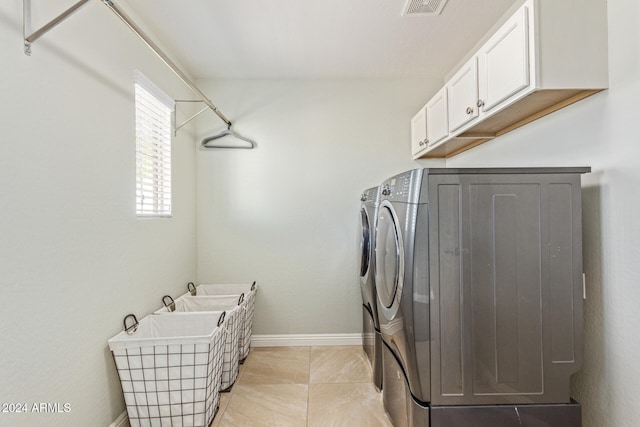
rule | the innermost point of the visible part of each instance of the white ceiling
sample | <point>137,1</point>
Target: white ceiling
<point>308,39</point>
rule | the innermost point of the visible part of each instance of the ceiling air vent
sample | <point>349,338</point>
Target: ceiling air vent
<point>423,7</point>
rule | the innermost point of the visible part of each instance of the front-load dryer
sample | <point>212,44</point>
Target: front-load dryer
<point>401,257</point>
<point>372,341</point>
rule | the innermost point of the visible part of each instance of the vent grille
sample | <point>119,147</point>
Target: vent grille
<point>424,7</point>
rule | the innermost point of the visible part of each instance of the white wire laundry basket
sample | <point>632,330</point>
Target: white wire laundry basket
<point>170,368</point>
<point>235,315</point>
<point>249,291</point>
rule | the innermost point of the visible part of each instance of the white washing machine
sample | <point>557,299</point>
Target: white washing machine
<point>372,341</point>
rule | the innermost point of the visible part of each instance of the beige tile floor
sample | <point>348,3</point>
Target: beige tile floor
<point>303,386</point>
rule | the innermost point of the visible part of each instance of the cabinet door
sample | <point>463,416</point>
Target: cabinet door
<point>504,62</point>
<point>437,123</point>
<point>505,287</point>
<point>419,132</point>
<point>506,275</point>
<point>462,95</point>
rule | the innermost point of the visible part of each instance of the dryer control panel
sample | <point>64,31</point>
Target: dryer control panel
<point>404,187</point>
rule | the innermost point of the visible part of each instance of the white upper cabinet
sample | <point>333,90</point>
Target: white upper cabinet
<point>503,62</point>
<point>462,94</point>
<point>430,125</point>
<point>419,132</point>
<point>545,55</point>
<point>437,117</point>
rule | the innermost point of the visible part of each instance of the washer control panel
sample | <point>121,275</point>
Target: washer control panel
<point>403,187</point>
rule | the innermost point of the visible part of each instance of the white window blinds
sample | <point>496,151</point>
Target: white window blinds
<point>153,149</point>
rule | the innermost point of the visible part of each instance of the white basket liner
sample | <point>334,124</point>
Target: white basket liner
<point>170,369</point>
<point>233,320</point>
<point>249,304</point>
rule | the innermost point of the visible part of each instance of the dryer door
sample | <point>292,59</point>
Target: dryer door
<point>389,261</point>
<point>365,243</point>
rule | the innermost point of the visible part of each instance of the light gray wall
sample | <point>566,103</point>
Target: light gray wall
<point>600,132</point>
<point>74,260</point>
<point>287,213</point>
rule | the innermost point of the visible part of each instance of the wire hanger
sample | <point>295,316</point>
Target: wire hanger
<point>230,135</point>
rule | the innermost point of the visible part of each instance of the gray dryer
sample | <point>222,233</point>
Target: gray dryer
<point>371,339</point>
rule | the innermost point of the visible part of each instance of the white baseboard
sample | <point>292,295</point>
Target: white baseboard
<point>121,421</point>
<point>305,340</point>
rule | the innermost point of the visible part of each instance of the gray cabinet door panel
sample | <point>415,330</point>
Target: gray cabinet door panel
<point>505,288</point>
<point>448,288</point>
<point>561,294</point>
<point>505,283</point>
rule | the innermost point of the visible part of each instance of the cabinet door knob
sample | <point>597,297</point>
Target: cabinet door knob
<point>480,103</point>
<point>469,110</point>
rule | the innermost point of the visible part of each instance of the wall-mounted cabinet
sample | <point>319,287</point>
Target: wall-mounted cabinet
<point>430,125</point>
<point>544,56</point>
<point>503,62</point>
<point>419,133</point>
<point>462,93</point>
<point>437,117</point>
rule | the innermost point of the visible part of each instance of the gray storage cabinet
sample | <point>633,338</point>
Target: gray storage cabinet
<point>505,257</point>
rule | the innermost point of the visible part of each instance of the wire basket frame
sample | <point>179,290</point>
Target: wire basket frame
<point>249,290</point>
<point>171,384</point>
<point>244,341</point>
<point>233,322</point>
<point>230,349</point>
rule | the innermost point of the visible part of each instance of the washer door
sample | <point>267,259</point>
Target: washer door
<point>389,261</point>
<point>365,243</point>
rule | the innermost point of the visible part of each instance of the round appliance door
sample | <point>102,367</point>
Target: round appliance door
<point>389,261</point>
<point>365,243</point>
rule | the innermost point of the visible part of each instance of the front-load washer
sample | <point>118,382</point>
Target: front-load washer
<point>401,257</point>
<point>372,341</point>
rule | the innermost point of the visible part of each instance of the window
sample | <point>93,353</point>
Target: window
<point>153,149</point>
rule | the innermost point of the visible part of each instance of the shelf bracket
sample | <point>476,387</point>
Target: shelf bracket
<point>29,38</point>
<point>176,126</point>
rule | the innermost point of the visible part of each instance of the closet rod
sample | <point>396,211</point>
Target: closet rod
<point>154,47</point>
<point>45,28</point>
